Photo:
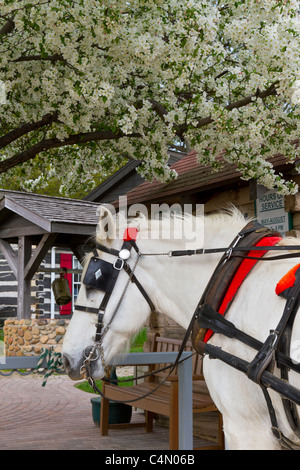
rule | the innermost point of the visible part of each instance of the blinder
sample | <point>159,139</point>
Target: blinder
<point>101,275</point>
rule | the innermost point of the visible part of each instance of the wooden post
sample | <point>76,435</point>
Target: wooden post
<point>24,285</point>
<point>25,265</point>
<point>10,256</point>
<point>78,252</point>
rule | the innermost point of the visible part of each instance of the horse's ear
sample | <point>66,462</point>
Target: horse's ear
<point>106,229</point>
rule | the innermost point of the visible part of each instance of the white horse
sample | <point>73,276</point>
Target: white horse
<point>175,285</point>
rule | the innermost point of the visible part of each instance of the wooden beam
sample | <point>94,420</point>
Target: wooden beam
<point>10,256</point>
<point>73,228</point>
<point>24,285</point>
<point>78,252</point>
<point>39,254</point>
<point>292,203</point>
<point>59,270</point>
<point>29,230</point>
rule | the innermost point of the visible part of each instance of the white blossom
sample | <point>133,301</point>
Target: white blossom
<point>139,73</point>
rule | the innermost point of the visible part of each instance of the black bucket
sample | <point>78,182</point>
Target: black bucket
<point>118,412</point>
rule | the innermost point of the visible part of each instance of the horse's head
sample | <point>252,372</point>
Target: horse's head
<point>123,285</point>
<point>107,295</point>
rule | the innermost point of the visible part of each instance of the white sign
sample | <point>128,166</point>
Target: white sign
<point>270,210</point>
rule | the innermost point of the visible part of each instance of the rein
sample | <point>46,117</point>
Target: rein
<point>172,366</point>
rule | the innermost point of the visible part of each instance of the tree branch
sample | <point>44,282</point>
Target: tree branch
<point>56,143</point>
<point>26,128</point>
<point>235,105</point>
<point>82,138</point>
<point>8,27</point>
<point>158,108</point>
<point>52,58</point>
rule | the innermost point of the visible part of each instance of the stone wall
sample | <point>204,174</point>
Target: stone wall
<point>28,337</point>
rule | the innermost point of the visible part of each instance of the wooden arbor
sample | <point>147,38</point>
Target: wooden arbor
<point>34,224</point>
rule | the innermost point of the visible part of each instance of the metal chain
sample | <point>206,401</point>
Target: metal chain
<point>122,295</point>
<point>98,346</point>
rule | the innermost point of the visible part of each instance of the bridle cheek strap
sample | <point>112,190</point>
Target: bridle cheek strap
<point>118,265</point>
<point>102,308</point>
<point>133,279</point>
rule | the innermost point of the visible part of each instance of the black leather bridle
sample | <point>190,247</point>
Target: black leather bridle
<point>119,264</point>
<point>103,276</point>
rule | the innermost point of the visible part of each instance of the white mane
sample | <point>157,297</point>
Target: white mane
<point>168,226</point>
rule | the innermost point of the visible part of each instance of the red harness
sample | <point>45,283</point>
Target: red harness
<point>240,275</point>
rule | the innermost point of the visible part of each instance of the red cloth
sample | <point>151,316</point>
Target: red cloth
<point>244,268</point>
<point>66,261</point>
<point>287,281</point>
<point>130,234</point>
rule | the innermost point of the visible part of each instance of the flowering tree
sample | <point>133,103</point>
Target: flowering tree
<point>91,82</point>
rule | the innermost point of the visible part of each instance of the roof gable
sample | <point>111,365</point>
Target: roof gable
<point>45,214</point>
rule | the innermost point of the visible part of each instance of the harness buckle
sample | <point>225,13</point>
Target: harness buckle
<point>118,267</point>
<point>229,253</point>
<point>273,334</point>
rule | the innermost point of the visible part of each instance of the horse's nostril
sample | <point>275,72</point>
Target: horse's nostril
<point>66,362</point>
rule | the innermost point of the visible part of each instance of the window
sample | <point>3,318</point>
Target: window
<point>76,280</point>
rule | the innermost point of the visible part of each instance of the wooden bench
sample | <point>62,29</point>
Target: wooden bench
<point>164,400</point>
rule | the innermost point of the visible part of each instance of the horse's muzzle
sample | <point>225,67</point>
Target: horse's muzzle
<point>72,368</point>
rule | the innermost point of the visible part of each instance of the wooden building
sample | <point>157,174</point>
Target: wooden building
<point>198,184</point>
<point>38,234</point>
<point>123,181</point>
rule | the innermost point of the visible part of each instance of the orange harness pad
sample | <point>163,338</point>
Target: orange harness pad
<point>240,275</point>
<point>287,281</point>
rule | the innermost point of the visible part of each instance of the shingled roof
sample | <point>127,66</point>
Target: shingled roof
<point>46,214</point>
<point>31,224</point>
<point>192,177</point>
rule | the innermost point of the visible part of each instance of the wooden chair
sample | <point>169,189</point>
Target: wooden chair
<point>163,401</point>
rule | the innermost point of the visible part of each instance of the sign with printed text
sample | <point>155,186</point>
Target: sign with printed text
<point>270,210</point>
